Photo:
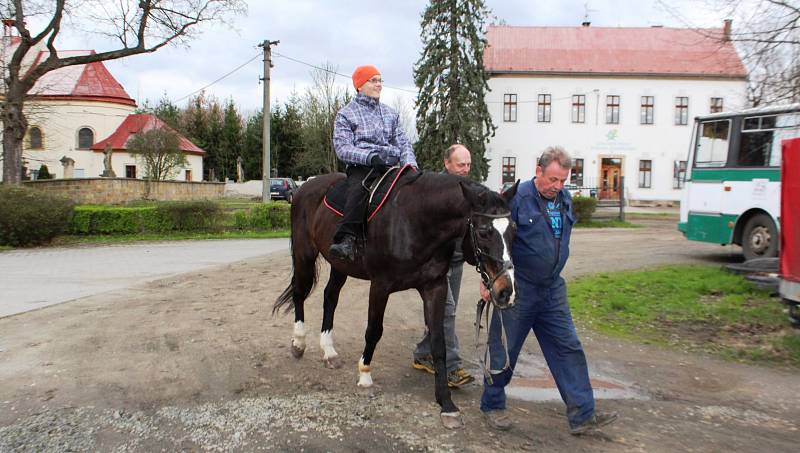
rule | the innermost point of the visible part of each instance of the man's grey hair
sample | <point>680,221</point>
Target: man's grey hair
<point>449,152</point>
<point>555,154</point>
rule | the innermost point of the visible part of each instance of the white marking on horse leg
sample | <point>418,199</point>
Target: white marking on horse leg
<point>299,336</point>
<point>364,376</point>
<point>326,344</point>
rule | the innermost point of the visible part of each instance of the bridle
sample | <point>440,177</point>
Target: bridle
<point>481,257</point>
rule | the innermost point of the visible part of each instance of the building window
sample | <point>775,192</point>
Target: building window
<point>612,109</point>
<point>544,108</point>
<point>577,173</point>
<point>510,108</point>
<point>681,111</point>
<point>130,171</point>
<point>578,108</point>
<point>85,138</point>
<point>716,105</point>
<point>35,137</point>
<point>188,175</point>
<point>679,174</point>
<point>647,109</point>
<point>509,169</point>
<point>645,173</point>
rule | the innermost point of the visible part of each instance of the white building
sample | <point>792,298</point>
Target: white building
<point>620,100</point>
<point>74,108</point>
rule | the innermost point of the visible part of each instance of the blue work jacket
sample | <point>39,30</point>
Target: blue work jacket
<point>537,255</point>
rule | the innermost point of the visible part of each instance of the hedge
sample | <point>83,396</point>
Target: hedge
<point>163,217</point>
<point>272,216</point>
<point>31,217</point>
<point>583,208</point>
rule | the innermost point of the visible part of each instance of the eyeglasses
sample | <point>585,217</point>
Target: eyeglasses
<point>375,80</point>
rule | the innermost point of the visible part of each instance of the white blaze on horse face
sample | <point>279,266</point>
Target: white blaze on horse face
<point>299,336</point>
<point>501,225</point>
<point>326,343</point>
<point>364,375</point>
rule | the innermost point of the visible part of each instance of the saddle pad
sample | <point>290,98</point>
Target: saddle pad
<point>335,198</point>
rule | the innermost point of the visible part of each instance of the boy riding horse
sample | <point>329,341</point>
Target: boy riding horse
<point>367,136</point>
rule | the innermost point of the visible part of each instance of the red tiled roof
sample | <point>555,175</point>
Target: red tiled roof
<point>141,122</point>
<point>86,81</point>
<point>613,51</point>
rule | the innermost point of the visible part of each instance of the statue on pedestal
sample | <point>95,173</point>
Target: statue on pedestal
<point>108,172</point>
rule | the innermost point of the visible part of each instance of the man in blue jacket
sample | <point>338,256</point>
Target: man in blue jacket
<point>542,210</point>
<point>367,137</point>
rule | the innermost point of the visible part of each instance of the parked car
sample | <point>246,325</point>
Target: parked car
<point>282,189</point>
<point>576,191</point>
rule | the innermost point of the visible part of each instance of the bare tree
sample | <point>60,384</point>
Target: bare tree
<point>767,35</point>
<point>138,26</point>
<point>159,151</point>
<point>407,116</point>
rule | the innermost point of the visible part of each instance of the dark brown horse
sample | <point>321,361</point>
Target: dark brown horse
<point>409,244</point>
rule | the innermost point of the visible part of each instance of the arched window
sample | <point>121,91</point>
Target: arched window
<point>85,138</point>
<point>35,136</point>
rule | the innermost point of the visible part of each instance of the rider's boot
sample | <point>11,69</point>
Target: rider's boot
<point>344,248</point>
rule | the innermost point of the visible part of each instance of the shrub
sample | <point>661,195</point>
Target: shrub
<point>117,220</point>
<point>191,215</point>
<point>272,216</point>
<point>30,217</point>
<point>583,208</point>
<point>44,173</point>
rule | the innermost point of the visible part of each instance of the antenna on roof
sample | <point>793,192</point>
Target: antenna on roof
<point>586,11</point>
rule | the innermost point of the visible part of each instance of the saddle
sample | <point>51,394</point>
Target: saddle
<point>379,190</point>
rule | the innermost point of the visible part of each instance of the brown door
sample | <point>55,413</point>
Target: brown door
<point>610,172</point>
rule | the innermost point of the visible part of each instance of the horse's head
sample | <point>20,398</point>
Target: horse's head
<point>487,244</point>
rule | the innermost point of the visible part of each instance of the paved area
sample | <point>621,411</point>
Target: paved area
<point>37,278</point>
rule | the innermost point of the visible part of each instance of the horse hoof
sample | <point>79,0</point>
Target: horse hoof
<point>452,420</point>
<point>297,352</point>
<point>333,362</point>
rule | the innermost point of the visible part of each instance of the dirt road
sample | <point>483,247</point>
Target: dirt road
<point>197,362</point>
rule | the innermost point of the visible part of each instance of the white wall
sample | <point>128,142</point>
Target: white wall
<point>662,142</point>
<point>60,120</point>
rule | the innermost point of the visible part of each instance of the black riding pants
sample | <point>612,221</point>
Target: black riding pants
<point>356,203</point>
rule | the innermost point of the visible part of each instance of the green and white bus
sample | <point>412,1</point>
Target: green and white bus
<point>732,191</point>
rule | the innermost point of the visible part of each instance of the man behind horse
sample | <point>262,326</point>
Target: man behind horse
<point>542,210</point>
<point>367,137</point>
<point>457,161</point>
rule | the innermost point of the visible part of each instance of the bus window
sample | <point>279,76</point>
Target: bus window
<point>756,145</point>
<point>712,144</point>
<point>788,126</point>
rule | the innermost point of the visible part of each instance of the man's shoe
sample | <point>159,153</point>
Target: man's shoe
<point>345,249</point>
<point>498,419</point>
<point>424,364</point>
<point>458,377</point>
<point>597,421</point>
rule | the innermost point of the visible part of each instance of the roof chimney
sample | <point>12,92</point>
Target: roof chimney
<point>726,30</point>
<point>586,23</point>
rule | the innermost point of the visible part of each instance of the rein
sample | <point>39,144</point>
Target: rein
<point>488,282</point>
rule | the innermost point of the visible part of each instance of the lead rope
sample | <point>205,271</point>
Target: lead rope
<point>485,358</point>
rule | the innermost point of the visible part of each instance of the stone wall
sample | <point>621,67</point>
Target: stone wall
<point>122,190</point>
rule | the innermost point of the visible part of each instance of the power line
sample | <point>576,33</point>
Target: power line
<point>224,76</point>
<point>334,72</point>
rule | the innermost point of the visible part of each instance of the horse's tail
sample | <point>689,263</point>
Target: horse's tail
<point>305,269</point>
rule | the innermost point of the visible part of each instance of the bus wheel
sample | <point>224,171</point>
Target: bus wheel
<point>760,238</point>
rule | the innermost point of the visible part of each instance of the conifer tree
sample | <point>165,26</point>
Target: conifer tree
<point>449,75</point>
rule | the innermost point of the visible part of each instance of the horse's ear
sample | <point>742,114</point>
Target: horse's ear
<point>474,196</point>
<point>508,195</point>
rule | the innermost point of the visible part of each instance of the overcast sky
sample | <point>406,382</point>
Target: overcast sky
<point>344,33</point>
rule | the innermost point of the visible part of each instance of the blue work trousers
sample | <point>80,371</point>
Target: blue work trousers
<point>545,311</point>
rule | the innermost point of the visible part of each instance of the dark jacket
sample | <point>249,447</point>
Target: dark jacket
<point>537,255</point>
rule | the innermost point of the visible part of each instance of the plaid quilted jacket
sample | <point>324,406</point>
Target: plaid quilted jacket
<point>364,128</point>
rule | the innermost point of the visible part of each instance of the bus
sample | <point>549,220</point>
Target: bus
<point>732,193</point>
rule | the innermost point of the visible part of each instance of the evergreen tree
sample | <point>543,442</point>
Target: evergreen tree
<point>214,160</point>
<point>169,113</point>
<point>449,75</point>
<point>230,139</point>
<point>252,151</point>
<point>44,173</point>
<point>286,137</point>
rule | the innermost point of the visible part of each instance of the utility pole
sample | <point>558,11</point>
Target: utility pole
<point>267,115</point>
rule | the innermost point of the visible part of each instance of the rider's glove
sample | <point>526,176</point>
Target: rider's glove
<point>377,163</point>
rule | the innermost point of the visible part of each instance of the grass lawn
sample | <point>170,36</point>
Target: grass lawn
<point>611,223</point>
<point>697,308</point>
<point>177,236</point>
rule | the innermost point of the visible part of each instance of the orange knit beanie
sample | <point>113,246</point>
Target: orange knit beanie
<point>362,74</point>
